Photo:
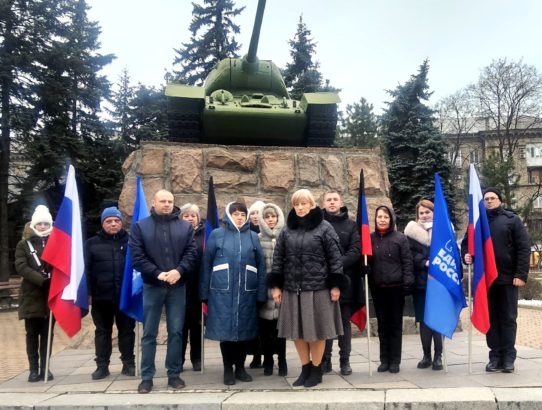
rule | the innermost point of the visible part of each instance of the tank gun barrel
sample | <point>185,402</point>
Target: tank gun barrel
<point>254,40</point>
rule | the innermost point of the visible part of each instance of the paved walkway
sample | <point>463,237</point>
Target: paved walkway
<point>72,384</point>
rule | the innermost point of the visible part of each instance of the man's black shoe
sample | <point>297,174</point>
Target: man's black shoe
<point>493,366</point>
<point>383,367</point>
<point>49,375</point>
<point>437,363</point>
<point>34,376</point>
<point>100,373</point>
<point>346,370</point>
<point>196,366</point>
<point>425,362</point>
<point>508,368</point>
<point>394,368</point>
<point>128,369</point>
<point>176,383</point>
<point>145,387</point>
<point>241,374</point>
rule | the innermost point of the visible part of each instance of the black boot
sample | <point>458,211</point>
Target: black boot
<point>425,362</point>
<point>229,378</point>
<point>283,367</point>
<point>33,376</point>
<point>128,369</point>
<point>305,372</point>
<point>241,374</point>
<point>437,362</point>
<point>327,367</point>
<point>100,373</point>
<point>256,362</point>
<point>315,376</point>
<point>268,366</point>
<point>49,375</point>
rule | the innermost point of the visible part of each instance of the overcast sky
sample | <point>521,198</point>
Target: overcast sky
<point>364,46</point>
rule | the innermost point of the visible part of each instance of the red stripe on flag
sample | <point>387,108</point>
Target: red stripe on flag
<point>470,239</point>
<point>359,318</point>
<point>480,311</point>
<point>366,246</point>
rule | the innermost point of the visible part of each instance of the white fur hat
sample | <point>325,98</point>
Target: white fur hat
<point>41,214</point>
<point>256,207</point>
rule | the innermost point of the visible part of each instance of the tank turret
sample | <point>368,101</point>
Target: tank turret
<point>245,101</point>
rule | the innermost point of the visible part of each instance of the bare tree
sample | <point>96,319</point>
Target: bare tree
<point>509,95</point>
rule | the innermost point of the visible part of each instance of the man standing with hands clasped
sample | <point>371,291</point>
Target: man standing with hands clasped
<point>512,250</point>
<point>164,251</point>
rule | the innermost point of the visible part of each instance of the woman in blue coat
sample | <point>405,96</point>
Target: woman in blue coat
<point>233,282</point>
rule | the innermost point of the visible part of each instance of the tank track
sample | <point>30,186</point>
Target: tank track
<point>185,119</point>
<point>321,125</point>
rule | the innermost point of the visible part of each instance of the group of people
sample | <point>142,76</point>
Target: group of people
<point>265,277</point>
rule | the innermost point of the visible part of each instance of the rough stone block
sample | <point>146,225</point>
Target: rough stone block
<point>332,171</point>
<point>152,162</point>
<point>309,174</point>
<point>372,174</point>
<point>480,398</point>
<point>277,172</point>
<point>128,162</point>
<point>186,168</point>
<point>518,398</point>
<point>231,159</point>
<point>230,181</point>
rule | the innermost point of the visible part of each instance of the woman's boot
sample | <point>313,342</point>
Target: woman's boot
<point>315,376</point>
<point>305,372</point>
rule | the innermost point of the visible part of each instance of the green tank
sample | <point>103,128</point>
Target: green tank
<point>244,102</point>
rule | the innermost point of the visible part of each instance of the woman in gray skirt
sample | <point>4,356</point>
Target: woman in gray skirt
<point>306,279</point>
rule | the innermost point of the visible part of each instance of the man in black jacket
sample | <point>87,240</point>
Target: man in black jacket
<point>337,215</point>
<point>512,251</point>
<point>164,251</point>
<point>104,259</point>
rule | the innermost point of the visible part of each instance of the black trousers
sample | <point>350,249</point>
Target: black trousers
<point>104,314</point>
<point>271,343</point>
<point>192,329</point>
<point>503,312</point>
<point>427,335</point>
<point>345,341</point>
<point>389,304</point>
<point>36,341</point>
<point>234,353</point>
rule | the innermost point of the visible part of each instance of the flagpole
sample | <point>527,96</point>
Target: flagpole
<point>444,354</point>
<point>202,341</point>
<point>138,349</point>
<point>49,332</point>
<point>368,326</point>
<point>469,281</point>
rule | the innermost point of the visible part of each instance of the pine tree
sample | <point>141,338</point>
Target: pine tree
<point>359,128</point>
<point>302,74</point>
<point>414,148</point>
<point>121,100</point>
<point>149,115</point>
<point>212,39</point>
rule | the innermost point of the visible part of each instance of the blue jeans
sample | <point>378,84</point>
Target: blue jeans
<point>154,298</point>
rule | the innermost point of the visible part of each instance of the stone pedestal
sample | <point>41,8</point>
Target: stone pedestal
<point>249,173</point>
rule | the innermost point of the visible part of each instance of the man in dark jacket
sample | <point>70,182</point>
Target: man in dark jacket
<point>104,264</point>
<point>164,251</point>
<point>337,215</point>
<point>512,251</point>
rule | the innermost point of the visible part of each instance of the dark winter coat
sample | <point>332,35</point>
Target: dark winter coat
<point>349,239</point>
<point>232,281</point>
<point>160,243</point>
<point>391,263</point>
<point>35,284</point>
<point>307,255</point>
<point>105,256</point>
<point>192,283</point>
<point>268,240</point>
<point>420,241</point>
<point>510,243</point>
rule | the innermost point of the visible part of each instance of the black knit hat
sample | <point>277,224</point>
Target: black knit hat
<point>494,190</point>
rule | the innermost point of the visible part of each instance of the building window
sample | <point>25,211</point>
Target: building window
<point>474,157</point>
<point>455,154</point>
<point>535,175</point>
<point>534,151</point>
<point>537,204</point>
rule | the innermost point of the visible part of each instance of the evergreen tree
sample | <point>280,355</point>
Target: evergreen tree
<point>25,33</point>
<point>122,113</point>
<point>302,74</point>
<point>212,39</point>
<point>359,128</point>
<point>149,115</point>
<point>414,148</point>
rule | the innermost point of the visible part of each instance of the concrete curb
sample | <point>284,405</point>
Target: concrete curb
<point>394,399</point>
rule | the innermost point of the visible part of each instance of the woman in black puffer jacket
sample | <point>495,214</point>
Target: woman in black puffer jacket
<point>391,277</point>
<point>306,279</point>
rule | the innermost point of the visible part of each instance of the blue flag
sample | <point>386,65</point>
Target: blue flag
<point>445,297</point>
<point>131,294</point>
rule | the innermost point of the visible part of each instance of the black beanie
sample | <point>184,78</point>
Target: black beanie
<point>494,190</point>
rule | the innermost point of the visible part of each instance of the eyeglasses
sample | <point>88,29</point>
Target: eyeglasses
<point>491,198</point>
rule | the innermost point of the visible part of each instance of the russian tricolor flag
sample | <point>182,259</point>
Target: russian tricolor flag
<point>68,297</point>
<point>359,317</point>
<point>481,249</point>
